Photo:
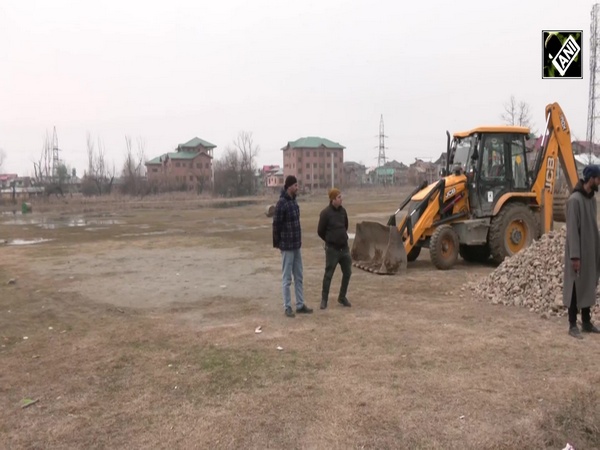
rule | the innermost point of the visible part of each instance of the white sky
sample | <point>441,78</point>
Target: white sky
<point>169,71</point>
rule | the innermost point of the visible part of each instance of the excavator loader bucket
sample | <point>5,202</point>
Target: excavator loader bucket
<point>378,248</point>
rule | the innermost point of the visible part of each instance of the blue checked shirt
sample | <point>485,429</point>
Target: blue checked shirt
<point>287,234</point>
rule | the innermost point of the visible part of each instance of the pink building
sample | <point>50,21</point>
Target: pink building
<point>314,161</point>
<point>273,176</point>
<point>189,165</point>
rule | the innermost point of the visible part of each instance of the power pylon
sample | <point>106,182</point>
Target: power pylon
<point>381,158</point>
<point>593,117</point>
<point>55,156</point>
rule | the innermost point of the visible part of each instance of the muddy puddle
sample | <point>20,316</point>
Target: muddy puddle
<point>51,223</point>
<point>26,241</point>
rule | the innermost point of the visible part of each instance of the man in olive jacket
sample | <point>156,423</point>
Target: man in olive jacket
<point>333,229</point>
<point>582,252</point>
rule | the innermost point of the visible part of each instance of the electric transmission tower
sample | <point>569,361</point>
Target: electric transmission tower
<point>594,79</point>
<point>55,157</point>
<point>381,158</point>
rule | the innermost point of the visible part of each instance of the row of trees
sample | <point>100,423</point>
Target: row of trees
<point>517,113</point>
<point>234,172</point>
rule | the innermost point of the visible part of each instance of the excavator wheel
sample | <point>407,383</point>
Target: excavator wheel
<point>559,207</point>
<point>474,253</point>
<point>414,253</point>
<point>514,228</point>
<point>443,247</point>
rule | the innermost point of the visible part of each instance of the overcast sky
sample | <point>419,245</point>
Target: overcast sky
<point>166,72</point>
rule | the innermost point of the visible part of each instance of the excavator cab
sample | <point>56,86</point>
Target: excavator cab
<point>495,162</point>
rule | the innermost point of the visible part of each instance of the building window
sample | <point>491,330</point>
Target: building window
<point>299,170</point>
<point>329,165</point>
<point>207,165</point>
<point>328,154</point>
<point>314,153</point>
<point>308,176</point>
<point>177,165</point>
<point>335,154</point>
<point>191,178</point>
<point>315,165</point>
<point>154,170</point>
<point>308,165</point>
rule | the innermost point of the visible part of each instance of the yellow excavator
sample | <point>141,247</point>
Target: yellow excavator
<point>488,203</point>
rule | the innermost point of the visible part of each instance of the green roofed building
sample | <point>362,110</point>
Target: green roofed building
<point>189,166</point>
<point>317,163</point>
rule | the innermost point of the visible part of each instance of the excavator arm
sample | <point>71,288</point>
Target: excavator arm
<point>556,148</point>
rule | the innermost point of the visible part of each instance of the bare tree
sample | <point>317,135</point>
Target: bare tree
<point>227,173</point>
<point>517,113</point>
<point>99,178</point>
<point>2,157</point>
<point>234,173</point>
<point>43,167</point>
<point>43,171</point>
<point>133,169</point>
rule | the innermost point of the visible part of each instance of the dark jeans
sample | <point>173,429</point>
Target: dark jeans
<point>586,315</point>
<point>333,256</point>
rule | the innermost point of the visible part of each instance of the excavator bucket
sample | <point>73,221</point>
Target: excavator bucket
<point>378,248</point>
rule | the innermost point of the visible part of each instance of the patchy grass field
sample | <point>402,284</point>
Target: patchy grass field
<point>133,327</point>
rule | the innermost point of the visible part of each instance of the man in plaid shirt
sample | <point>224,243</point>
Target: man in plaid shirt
<point>287,237</point>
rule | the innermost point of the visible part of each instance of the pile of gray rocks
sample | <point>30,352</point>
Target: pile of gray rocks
<point>531,279</point>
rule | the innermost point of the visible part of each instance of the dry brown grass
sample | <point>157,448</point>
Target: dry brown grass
<point>410,365</point>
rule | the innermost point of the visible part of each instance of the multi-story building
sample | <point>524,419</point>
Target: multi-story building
<point>314,161</point>
<point>355,174</point>
<point>190,165</point>
<point>273,177</point>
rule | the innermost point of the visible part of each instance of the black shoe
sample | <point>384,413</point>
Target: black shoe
<point>344,302</point>
<point>574,331</point>
<point>589,327</point>
<point>304,310</point>
<point>323,304</point>
<point>289,312</point>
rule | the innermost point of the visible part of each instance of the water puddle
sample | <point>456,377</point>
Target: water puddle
<point>48,223</point>
<point>149,233</point>
<point>27,241</point>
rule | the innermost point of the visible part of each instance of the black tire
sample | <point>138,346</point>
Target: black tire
<point>443,247</point>
<point>474,253</point>
<point>559,207</point>
<point>513,229</point>
<point>414,253</point>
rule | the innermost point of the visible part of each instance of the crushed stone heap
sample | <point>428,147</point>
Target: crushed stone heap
<point>532,278</point>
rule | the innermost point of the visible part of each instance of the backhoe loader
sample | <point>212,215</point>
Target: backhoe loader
<point>487,203</point>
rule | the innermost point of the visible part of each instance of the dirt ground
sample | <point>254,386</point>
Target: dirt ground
<point>133,326</point>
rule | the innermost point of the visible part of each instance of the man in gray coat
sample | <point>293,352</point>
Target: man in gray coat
<point>582,252</point>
